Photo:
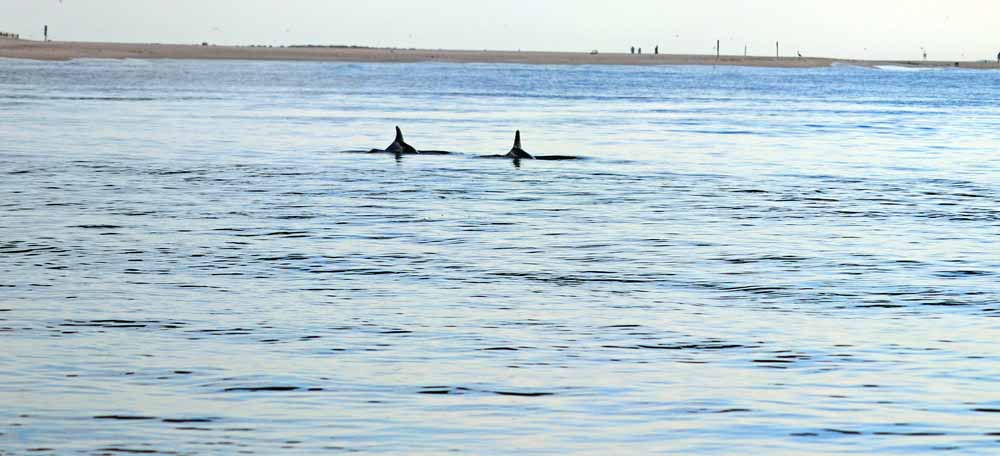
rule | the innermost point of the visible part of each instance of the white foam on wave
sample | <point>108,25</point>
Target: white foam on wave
<point>905,68</point>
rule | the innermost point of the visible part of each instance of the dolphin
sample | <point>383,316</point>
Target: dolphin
<point>399,146</point>
<point>517,152</point>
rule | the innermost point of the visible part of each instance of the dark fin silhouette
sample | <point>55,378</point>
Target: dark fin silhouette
<point>517,152</point>
<point>399,146</point>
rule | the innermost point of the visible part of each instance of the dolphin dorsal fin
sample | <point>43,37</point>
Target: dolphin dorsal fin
<point>399,134</point>
<point>517,139</point>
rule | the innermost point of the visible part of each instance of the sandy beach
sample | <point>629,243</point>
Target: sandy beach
<point>65,50</point>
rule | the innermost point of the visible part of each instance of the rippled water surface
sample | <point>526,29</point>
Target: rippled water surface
<point>746,261</point>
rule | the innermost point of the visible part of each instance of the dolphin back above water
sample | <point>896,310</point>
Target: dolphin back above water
<point>517,152</point>
<point>400,147</point>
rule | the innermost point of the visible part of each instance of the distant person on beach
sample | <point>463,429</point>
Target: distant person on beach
<point>640,51</point>
<point>656,50</point>
<point>633,49</point>
<point>45,33</point>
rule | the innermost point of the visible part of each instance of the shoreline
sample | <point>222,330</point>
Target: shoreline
<point>68,50</point>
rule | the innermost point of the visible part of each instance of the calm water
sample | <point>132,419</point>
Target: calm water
<point>751,261</point>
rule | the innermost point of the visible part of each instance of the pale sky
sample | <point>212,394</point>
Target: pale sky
<point>875,29</point>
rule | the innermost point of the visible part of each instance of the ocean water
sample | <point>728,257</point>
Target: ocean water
<point>744,261</point>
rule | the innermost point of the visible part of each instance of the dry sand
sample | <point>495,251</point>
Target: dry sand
<point>63,50</point>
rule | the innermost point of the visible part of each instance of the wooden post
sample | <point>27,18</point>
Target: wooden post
<point>717,49</point>
<point>777,50</point>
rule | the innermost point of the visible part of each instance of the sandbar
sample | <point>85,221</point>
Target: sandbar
<point>68,50</point>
